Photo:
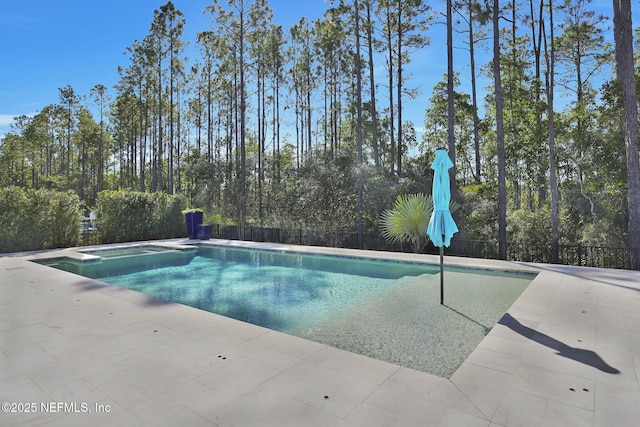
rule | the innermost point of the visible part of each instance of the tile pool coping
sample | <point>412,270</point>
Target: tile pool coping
<point>568,355</point>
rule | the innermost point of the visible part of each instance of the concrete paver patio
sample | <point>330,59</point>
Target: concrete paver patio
<point>75,351</point>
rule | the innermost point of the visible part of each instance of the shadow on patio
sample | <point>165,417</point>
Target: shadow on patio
<point>581,355</point>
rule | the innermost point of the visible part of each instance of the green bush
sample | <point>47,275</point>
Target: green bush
<point>131,216</point>
<point>525,226</point>
<point>38,219</point>
<point>478,216</point>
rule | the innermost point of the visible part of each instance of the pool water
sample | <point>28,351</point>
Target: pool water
<point>382,309</point>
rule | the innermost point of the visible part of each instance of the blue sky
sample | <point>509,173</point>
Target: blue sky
<point>46,45</point>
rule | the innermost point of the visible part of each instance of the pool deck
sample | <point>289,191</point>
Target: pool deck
<point>76,351</point>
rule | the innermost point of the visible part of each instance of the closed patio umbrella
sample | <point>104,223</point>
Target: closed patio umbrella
<point>441,225</point>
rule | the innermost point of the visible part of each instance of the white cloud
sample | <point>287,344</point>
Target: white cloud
<point>6,119</point>
<point>17,20</point>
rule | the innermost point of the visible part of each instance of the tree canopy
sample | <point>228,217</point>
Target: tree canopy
<point>276,126</point>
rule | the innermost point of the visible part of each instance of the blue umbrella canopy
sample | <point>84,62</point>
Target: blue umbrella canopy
<point>441,225</point>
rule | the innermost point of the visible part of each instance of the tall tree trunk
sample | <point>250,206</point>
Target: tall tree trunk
<point>178,143</point>
<point>170,184</point>
<point>299,134</point>
<point>243,114</point>
<point>308,108</point>
<point>553,181</point>
<point>374,113</point>
<point>326,118</point>
<point>260,112</point>
<point>502,186</point>
<point>68,97</point>
<point>144,126</point>
<point>474,98</point>
<point>536,39</point>
<point>399,88</point>
<point>623,34</point>
<point>450,103</point>
<point>277,127</point>
<point>160,141</point>
<point>391,106</point>
<point>512,132</point>
<point>359,121</point>
<point>99,93</point>
<point>209,110</point>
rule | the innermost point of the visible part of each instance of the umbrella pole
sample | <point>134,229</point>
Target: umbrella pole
<point>442,274</point>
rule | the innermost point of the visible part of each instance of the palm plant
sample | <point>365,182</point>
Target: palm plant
<point>409,219</point>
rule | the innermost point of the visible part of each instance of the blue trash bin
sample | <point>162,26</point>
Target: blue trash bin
<point>204,231</point>
<point>193,219</point>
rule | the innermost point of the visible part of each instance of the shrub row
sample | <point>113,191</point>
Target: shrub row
<point>132,216</point>
<point>38,219</point>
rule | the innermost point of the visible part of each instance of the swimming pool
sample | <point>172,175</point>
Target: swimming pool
<point>383,309</point>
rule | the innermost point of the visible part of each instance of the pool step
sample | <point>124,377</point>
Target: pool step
<point>173,245</point>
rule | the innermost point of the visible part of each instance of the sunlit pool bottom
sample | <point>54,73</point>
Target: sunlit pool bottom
<point>382,309</point>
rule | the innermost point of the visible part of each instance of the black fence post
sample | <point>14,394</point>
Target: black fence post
<point>579,254</point>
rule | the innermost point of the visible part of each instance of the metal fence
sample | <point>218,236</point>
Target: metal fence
<point>578,255</point>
